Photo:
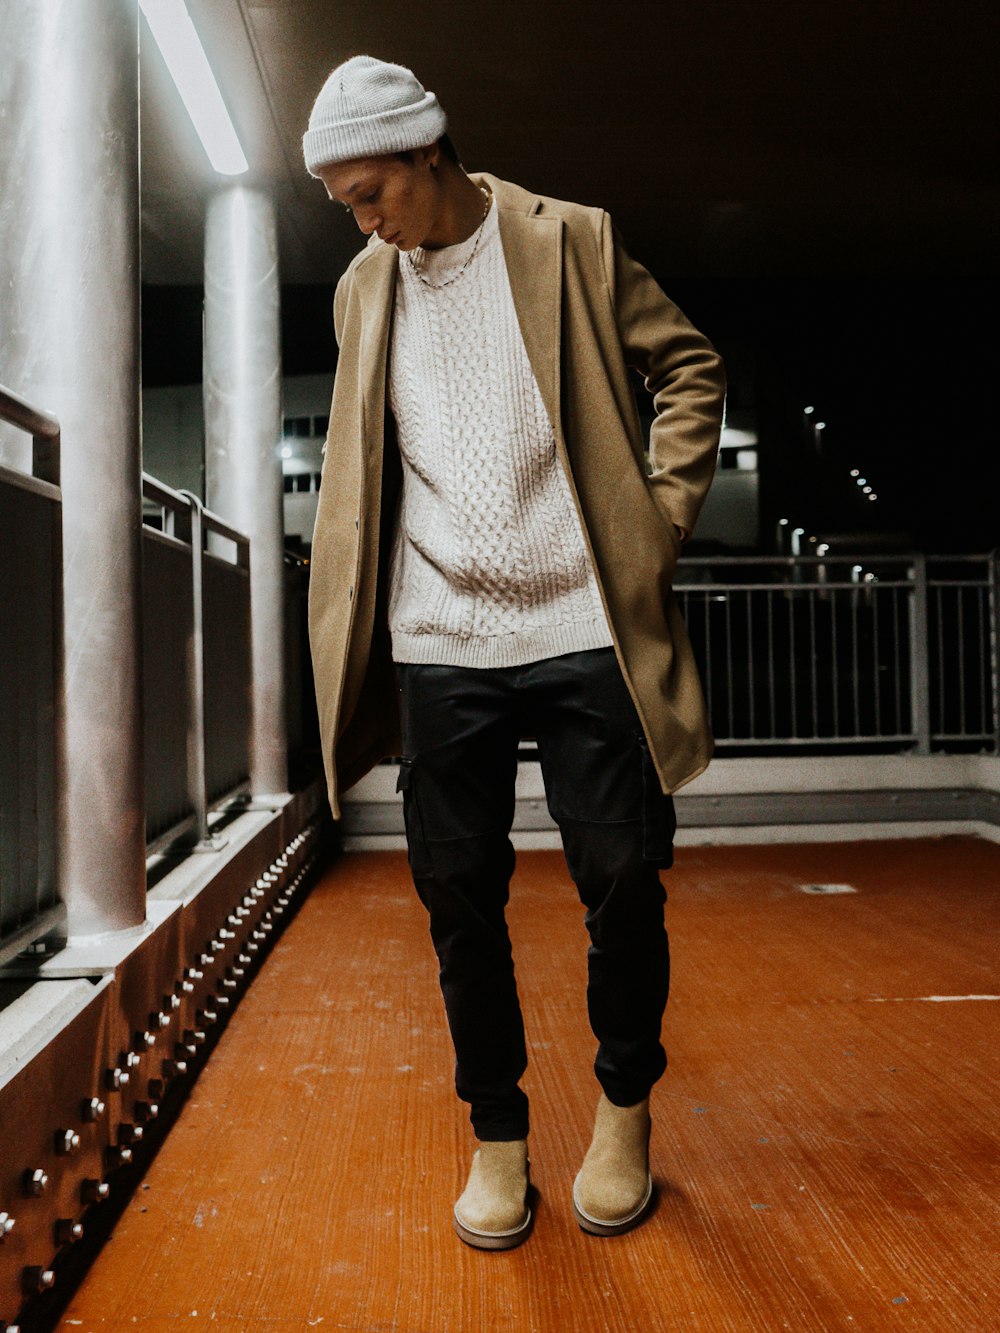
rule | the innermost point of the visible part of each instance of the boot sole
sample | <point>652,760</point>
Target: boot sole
<point>616,1226</point>
<point>494,1240</point>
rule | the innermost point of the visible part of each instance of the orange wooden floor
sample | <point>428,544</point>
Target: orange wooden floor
<point>825,1140</point>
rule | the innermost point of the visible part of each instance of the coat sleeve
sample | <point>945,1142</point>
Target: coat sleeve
<point>682,371</point>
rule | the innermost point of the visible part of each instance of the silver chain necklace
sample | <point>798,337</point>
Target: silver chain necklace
<point>436,286</point>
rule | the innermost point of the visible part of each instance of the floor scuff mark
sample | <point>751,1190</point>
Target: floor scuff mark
<point>927,999</point>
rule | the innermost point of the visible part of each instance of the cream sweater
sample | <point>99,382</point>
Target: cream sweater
<point>488,566</point>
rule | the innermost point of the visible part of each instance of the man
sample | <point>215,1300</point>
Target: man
<point>491,560</point>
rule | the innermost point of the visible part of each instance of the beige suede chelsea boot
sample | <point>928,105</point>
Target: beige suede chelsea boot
<point>614,1189</point>
<point>493,1212</point>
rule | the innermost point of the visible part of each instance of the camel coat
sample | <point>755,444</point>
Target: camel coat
<point>587,312</point>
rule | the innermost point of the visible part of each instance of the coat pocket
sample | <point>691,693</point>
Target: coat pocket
<point>417,850</point>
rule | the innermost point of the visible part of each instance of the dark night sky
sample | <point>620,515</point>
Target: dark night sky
<point>824,207</point>
<point>903,371</point>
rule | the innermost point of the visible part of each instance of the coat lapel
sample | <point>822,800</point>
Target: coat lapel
<point>532,247</point>
<point>375,282</point>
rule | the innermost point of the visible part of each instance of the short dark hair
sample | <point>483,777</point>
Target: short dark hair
<point>446,146</point>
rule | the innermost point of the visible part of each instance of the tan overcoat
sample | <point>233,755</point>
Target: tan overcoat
<point>587,311</point>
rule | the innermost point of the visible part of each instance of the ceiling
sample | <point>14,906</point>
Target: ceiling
<point>739,139</point>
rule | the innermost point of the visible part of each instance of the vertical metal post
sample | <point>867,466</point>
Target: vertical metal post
<point>920,695</point>
<point>69,339</point>
<point>197,787</point>
<point>242,433</point>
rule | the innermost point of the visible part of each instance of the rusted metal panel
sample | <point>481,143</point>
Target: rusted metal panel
<point>123,1021</point>
<point>55,1117</point>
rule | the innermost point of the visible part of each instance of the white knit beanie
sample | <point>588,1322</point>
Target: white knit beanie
<point>366,108</point>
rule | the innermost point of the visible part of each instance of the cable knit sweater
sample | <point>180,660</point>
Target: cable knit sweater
<point>489,566</point>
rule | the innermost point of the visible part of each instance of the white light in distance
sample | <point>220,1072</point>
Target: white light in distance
<point>185,57</point>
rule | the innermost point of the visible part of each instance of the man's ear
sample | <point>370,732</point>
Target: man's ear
<point>429,155</point>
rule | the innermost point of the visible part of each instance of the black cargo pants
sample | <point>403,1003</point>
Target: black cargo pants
<point>461,728</point>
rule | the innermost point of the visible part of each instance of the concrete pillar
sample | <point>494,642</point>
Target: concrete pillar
<point>242,432</point>
<point>69,343</point>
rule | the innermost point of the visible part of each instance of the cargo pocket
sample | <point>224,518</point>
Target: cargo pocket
<point>417,850</point>
<point>659,821</point>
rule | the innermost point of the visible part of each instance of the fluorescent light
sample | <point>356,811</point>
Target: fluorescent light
<point>181,48</point>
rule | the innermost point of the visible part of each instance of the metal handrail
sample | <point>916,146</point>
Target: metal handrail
<point>868,557</point>
<point>184,503</point>
<point>162,494</point>
<point>44,430</point>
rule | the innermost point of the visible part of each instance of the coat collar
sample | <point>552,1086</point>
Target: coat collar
<point>375,284</point>
<point>532,246</point>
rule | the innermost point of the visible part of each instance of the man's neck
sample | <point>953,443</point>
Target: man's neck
<point>464,206</point>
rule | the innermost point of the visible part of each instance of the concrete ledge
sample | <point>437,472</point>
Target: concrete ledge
<point>760,834</point>
<point>31,1015</point>
<point>886,793</point>
<point>831,773</point>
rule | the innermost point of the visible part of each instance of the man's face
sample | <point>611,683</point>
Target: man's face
<point>400,201</point>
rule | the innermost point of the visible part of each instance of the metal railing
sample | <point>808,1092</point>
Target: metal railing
<point>840,651</point>
<point>30,681</point>
<point>196,645</point>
